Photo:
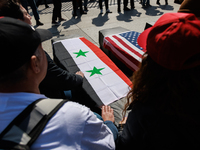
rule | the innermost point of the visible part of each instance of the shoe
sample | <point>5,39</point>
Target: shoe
<point>101,11</point>
<point>118,10</point>
<point>74,14</point>
<point>47,6</point>
<point>38,23</point>
<point>85,8</point>
<point>108,11</point>
<point>83,12</point>
<point>148,5</point>
<point>166,3</point>
<point>62,19</point>
<point>132,7</point>
<point>55,23</point>
<point>144,6</point>
<point>126,9</point>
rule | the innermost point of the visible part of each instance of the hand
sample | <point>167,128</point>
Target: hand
<point>107,113</point>
<point>80,73</point>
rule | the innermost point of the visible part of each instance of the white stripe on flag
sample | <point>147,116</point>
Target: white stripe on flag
<point>120,55</point>
<point>125,49</point>
<point>108,86</point>
<point>131,45</point>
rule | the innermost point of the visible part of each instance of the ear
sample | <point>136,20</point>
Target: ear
<point>34,62</point>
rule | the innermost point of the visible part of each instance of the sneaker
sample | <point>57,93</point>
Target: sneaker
<point>132,7</point>
<point>38,23</point>
<point>126,9</point>
<point>55,23</point>
<point>62,19</point>
<point>108,11</point>
<point>74,14</point>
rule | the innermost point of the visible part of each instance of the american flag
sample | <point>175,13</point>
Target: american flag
<point>125,47</point>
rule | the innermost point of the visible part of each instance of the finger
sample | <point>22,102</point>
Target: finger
<point>109,108</point>
<point>103,108</point>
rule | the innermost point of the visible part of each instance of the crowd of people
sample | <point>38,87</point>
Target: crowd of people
<point>163,101</point>
<point>57,17</point>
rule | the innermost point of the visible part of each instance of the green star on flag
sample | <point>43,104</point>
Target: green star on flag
<point>95,71</point>
<point>80,53</point>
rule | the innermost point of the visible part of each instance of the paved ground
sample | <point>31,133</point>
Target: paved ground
<point>89,25</point>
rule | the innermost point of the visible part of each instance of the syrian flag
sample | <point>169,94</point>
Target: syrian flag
<point>103,81</point>
<point>125,47</point>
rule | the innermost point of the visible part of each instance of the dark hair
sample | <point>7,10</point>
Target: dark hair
<point>171,92</point>
<point>11,8</point>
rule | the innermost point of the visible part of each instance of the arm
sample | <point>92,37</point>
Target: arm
<point>60,79</point>
<point>108,118</point>
<point>99,134</point>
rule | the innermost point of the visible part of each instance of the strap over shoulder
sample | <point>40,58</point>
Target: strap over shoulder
<point>27,126</point>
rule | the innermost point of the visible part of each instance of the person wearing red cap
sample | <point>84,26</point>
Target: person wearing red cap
<point>165,94</point>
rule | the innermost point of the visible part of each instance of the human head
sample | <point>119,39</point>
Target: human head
<point>173,41</point>
<point>26,16</point>
<point>13,9</point>
<point>19,42</point>
<point>190,6</point>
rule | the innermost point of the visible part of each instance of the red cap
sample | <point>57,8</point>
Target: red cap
<point>173,41</point>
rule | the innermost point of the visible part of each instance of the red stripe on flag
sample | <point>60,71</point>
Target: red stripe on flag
<point>127,46</point>
<point>103,57</point>
<point>126,58</point>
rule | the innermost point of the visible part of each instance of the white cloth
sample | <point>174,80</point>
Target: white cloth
<point>74,126</point>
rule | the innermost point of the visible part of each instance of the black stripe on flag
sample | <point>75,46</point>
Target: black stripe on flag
<point>85,94</point>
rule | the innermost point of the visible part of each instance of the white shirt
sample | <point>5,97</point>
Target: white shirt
<point>73,126</point>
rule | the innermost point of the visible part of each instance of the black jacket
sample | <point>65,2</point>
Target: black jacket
<point>147,128</point>
<point>58,80</point>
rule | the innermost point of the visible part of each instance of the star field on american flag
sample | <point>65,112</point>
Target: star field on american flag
<point>132,38</point>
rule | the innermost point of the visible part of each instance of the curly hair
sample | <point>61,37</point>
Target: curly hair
<point>171,92</point>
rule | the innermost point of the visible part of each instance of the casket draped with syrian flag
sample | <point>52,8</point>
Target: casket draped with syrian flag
<point>104,82</point>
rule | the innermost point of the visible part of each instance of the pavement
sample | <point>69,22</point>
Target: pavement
<point>88,25</point>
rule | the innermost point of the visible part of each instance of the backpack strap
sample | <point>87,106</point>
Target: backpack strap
<point>27,126</point>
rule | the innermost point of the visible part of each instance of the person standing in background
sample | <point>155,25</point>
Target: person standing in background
<point>125,5</point>
<point>57,12</point>
<point>106,5</point>
<point>74,3</point>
